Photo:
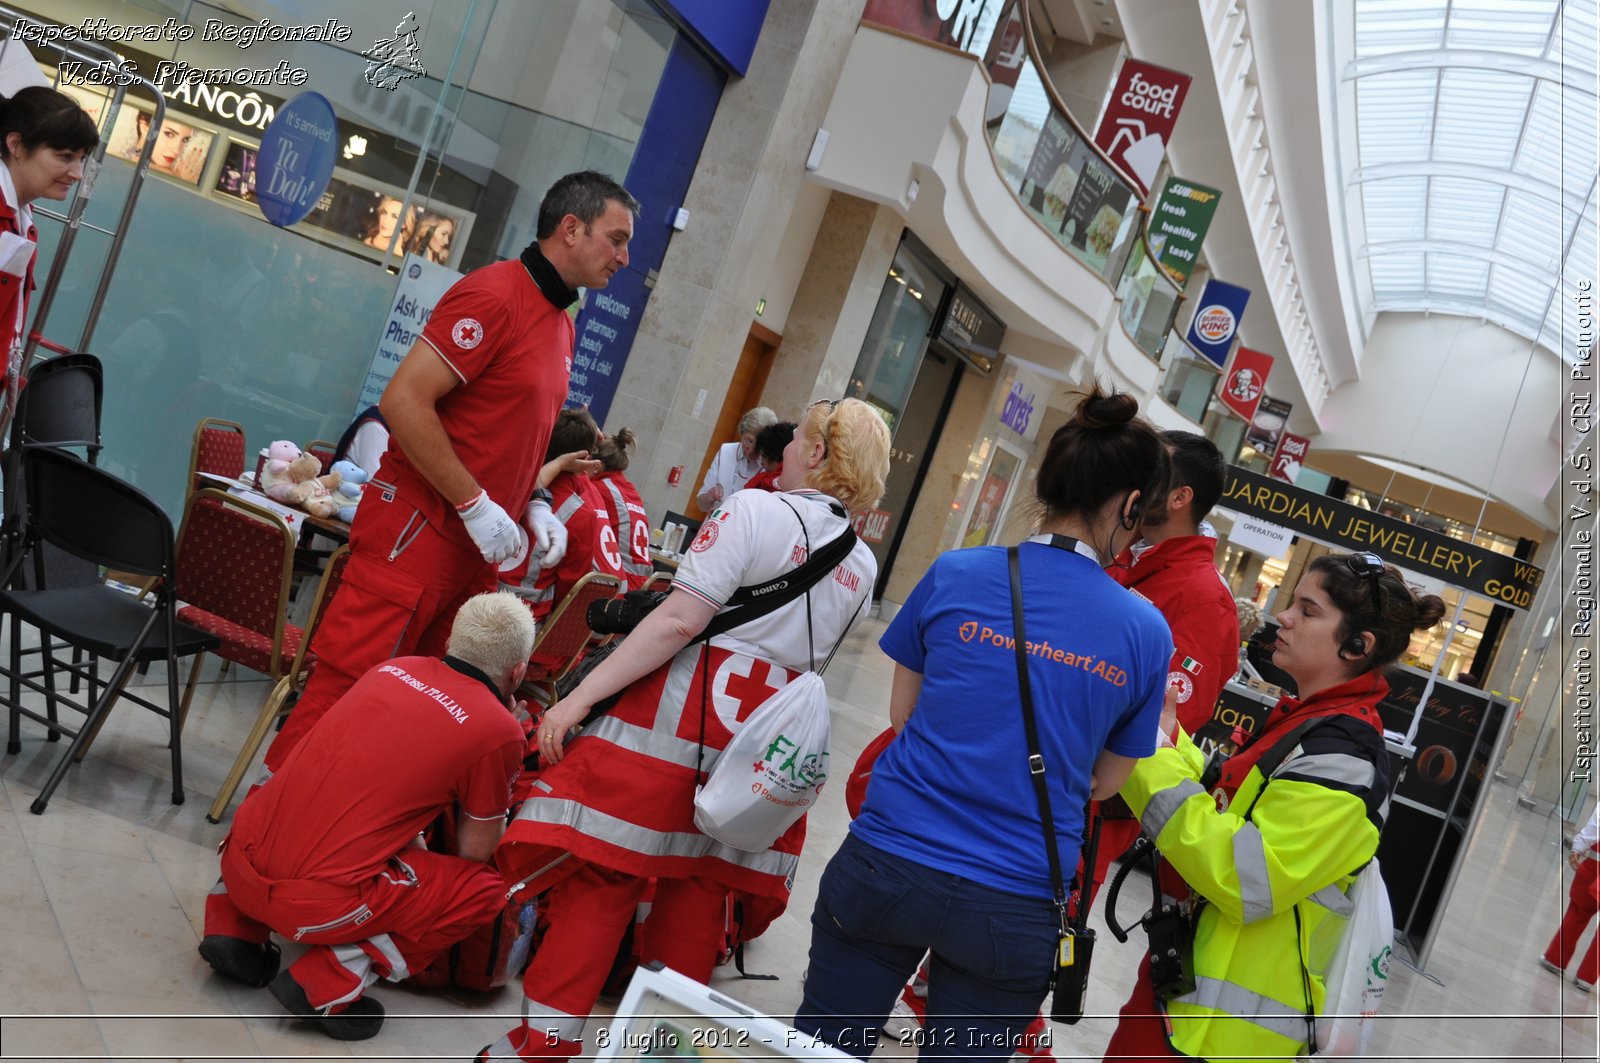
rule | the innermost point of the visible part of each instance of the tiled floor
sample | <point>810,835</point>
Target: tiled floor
<point>103,895</point>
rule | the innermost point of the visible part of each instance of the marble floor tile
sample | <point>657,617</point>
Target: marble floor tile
<point>106,895</point>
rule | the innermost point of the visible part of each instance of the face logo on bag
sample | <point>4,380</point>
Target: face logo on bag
<point>467,332</point>
<point>1184,684</point>
<point>707,536</point>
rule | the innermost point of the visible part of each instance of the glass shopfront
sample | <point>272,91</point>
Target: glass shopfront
<point>213,311</point>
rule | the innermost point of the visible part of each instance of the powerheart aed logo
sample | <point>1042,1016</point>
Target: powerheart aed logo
<point>969,629</point>
<point>392,61</point>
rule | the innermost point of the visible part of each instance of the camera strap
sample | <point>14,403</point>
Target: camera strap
<point>1070,924</point>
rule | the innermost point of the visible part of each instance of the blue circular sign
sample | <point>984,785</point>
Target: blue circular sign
<point>296,157</point>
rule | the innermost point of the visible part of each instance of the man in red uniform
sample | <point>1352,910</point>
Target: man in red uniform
<point>470,412</point>
<point>327,852</point>
<point>1173,568</point>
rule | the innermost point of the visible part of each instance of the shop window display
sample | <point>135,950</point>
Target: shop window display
<point>214,312</point>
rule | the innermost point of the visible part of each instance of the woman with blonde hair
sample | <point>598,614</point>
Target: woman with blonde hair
<point>615,806</point>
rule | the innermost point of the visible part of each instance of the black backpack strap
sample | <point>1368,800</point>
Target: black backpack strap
<point>755,601</point>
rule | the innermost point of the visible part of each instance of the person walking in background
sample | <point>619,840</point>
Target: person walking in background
<point>470,411</point>
<point>1583,901</point>
<point>628,518</point>
<point>948,855</point>
<point>735,462</point>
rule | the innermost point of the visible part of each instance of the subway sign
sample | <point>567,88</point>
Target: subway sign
<point>1499,577</point>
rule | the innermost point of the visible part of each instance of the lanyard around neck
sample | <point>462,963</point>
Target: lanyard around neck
<point>1067,542</point>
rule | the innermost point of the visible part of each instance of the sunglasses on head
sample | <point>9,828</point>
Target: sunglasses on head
<point>1370,567</point>
<point>822,429</point>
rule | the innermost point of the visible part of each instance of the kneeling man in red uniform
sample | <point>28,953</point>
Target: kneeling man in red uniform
<point>328,852</point>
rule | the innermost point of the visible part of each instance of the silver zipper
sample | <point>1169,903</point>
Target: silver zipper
<point>354,918</point>
<point>407,536</point>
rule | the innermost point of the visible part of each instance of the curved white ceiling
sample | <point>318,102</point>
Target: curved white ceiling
<point>1475,158</point>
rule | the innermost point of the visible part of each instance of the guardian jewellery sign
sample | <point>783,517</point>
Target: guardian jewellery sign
<point>1499,577</point>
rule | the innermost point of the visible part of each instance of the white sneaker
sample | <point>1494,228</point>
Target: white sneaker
<point>1583,987</point>
<point>1547,965</point>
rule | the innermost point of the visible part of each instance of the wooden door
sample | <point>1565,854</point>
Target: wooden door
<point>744,394</point>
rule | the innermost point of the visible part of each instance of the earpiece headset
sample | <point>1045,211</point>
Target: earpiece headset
<point>1130,518</point>
<point>1355,646</point>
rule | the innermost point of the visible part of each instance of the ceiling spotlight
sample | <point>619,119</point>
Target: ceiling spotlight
<point>1108,22</point>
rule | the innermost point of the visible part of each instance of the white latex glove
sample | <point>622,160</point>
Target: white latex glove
<point>494,532</point>
<point>549,534</point>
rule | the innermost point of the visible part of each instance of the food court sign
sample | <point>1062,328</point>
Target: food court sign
<point>1461,564</point>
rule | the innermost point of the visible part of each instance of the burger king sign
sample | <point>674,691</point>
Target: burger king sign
<point>1217,321</point>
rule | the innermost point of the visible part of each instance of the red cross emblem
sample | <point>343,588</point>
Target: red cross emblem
<point>467,332</point>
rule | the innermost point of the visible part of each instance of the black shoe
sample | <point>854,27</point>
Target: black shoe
<point>361,1020</point>
<point>249,962</point>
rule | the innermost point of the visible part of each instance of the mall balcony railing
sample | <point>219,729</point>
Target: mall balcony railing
<point>1068,184</point>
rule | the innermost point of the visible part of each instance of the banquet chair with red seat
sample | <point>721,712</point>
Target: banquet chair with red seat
<point>564,635</point>
<point>287,689</point>
<point>218,450</point>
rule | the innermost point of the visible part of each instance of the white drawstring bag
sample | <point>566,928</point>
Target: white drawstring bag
<point>771,772</point>
<point>1358,972</point>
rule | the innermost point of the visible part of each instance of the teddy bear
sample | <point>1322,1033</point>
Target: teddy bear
<point>293,481</point>
<point>351,477</point>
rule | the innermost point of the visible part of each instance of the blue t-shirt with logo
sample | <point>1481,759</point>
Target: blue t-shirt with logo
<point>953,790</point>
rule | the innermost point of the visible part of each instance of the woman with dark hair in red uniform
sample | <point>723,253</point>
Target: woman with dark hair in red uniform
<point>44,138</point>
<point>628,518</point>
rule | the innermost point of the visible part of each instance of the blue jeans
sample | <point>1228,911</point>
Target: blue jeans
<point>877,914</point>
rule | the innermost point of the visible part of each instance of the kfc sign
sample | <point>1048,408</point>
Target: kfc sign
<point>1138,122</point>
<point>1245,382</point>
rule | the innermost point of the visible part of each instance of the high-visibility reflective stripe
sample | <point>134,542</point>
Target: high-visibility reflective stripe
<point>643,740</point>
<point>1164,804</point>
<point>385,947</point>
<point>630,564</point>
<point>1250,864</point>
<point>545,1019</point>
<point>1248,1006</point>
<point>569,506</point>
<point>354,959</point>
<point>1331,767</point>
<point>619,832</point>
<point>1334,900</point>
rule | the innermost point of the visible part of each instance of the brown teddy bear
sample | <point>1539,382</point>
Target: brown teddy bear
<point>299,485</point>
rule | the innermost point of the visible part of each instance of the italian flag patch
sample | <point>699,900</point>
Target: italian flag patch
<point>1190,665</point>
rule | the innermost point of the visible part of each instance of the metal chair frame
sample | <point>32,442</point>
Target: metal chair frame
<point>280,701</point>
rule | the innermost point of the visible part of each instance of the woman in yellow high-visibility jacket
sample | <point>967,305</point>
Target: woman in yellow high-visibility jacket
<point>1268,865</point>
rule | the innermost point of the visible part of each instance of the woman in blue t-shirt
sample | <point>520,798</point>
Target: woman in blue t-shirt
<point>948,855</point>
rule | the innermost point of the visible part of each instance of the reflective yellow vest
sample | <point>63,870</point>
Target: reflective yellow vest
<point>1307,835</point>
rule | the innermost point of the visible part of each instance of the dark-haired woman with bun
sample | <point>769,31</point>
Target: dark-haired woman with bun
<point>1269,863</point>
<point>622,500</point>
<point>44,138</point>
<point>948,854</point>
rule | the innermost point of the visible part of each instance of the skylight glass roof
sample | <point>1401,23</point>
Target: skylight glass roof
<point>1475,158</point>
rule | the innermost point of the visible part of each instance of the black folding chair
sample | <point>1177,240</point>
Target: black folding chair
<point>94,516</point>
